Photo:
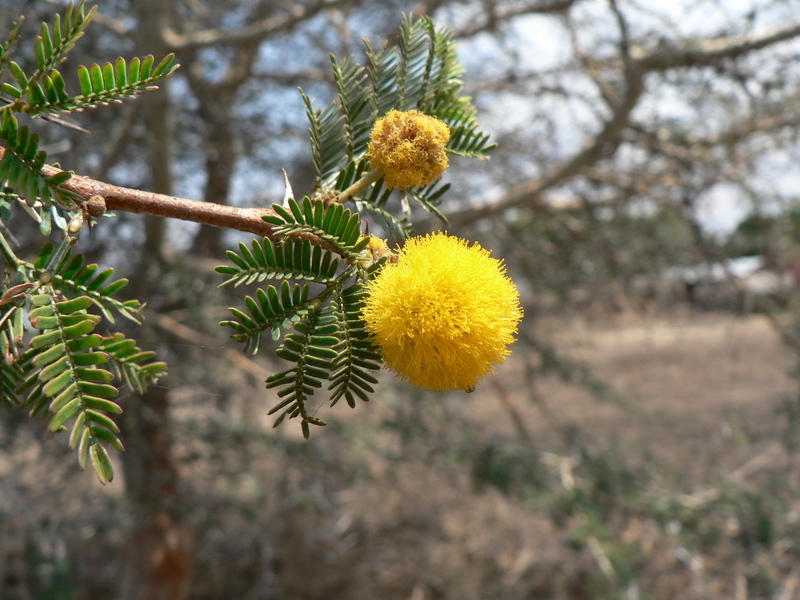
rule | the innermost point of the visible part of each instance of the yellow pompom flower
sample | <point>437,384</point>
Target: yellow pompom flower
<point>444,314</point>
<point>409,147</point>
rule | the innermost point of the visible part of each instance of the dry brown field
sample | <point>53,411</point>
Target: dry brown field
<point>680,482</point>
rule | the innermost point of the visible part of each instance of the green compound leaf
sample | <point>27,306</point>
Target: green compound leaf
<point>395,227</point>
<point>12,330</point>
<point>51,47</point>
<point>327,339</point>
<point>355,353</point>
<point>11,376</point>
<point>45,91</point>
<point>21,166</point>
<point>288,258</point>
<point>328,146</point>
<point>336,225</point>
<point>65,380</point>
<point>11,39</point>
<point>133,365</point>
<point>421,71</point>
<point>74,277</point>
<point>340,132</point>
<point>100,85</point>
<point>271,309</point>
<point>311,352</point>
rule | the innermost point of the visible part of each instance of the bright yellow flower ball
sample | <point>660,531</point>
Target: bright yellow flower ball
<point>444,314</point>
<point>409,147</point>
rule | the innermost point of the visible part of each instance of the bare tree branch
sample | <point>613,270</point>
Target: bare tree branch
<point>498,16</point>
<point>709,51</point>
<point>603,144</point>
<point>607,140</point>
<point>186,41</point>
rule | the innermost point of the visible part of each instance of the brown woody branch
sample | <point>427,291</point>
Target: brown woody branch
<point>161,205</point>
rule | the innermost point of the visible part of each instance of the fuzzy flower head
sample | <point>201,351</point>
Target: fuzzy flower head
<point>409,147</point>
<point>444,314</point>
<point>375,250</point>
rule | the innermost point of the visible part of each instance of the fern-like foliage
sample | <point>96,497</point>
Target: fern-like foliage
<point>336,226</point>
<point>44,93</point>
<point>75,277</point>
<point>298,259</point>
<point>319,242</point>
<point>21,167</point>
<point>100,85</point>
<point>11,375</point>
<point>356,356</point>
<point>308,275</point>
<point>324,337</point>
<point>11,39</point>
<point>52,45</point>
<point>67,381</point>
<point>309,347</point>
<point>54,360</point>
<point>12,329</point>
<point>134,366</point>
<point>61,375</point>
<point>326,344</point>
<point>420,72</point>
<point>271,309</point>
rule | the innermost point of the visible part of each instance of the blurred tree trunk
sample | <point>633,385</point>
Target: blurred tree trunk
<point>218,111</point>
<point>220,163</point>
<point>156,566</point>
<point>157,563</point>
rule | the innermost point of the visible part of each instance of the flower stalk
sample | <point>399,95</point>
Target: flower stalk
<point>359,186</point>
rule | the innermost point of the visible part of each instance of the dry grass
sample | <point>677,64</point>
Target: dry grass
<point>702,417</point>
<point>521,490</point>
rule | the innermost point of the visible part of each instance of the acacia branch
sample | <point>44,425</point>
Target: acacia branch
<point>138,201</point>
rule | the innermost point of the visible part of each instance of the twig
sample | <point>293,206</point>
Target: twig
<point>179,330</point>
<point>517,420</point>
<point>639,63</point>
<point>601,558</point>
<point>138,201</point>
<point>737,477</point>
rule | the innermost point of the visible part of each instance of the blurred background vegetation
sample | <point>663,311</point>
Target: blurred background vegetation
<point>642,440</point>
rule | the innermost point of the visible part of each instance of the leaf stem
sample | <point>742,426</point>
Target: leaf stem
<point>8,253</point>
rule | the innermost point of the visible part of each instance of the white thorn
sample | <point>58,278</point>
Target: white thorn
<point>29,209</point>
<point>289,193</point>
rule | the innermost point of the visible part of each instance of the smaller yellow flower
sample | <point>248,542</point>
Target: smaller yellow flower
<point>409,147</point>
<point>376,249</point>
<point>444,314</point>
